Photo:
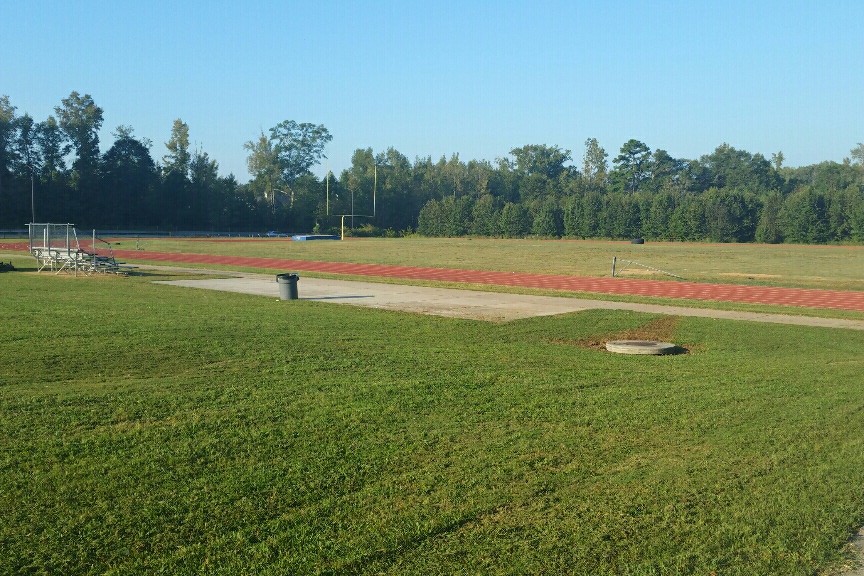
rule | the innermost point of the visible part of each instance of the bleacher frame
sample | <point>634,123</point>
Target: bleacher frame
<point>56,248</point>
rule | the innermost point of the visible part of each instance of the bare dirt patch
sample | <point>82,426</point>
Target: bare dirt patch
<point>749,276</point>
<point>660,329</point>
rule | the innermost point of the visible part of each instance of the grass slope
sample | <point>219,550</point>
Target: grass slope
<point>150,429</point>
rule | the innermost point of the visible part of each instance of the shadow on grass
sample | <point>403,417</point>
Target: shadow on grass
<point>406,545</point>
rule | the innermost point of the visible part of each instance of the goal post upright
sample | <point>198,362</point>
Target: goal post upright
<point>352,215</point>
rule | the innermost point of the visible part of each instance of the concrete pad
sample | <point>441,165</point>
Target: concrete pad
<point>489,306</point>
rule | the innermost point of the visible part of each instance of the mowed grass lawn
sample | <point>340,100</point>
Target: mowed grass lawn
<point>153,429</point>
<point>829,267</point>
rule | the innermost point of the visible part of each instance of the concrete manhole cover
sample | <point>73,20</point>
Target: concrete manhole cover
<point>640,347</point>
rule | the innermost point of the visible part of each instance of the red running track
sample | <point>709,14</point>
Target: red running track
<point>836,299</point>
<point>800,297</point>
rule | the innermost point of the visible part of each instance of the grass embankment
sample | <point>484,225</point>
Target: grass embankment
<point>828,267</point>
<point>152,429</point>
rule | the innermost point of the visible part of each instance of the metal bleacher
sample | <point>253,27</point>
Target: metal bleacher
<point>56,248</point>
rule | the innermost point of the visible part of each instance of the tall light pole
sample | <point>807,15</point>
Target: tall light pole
<point>32,201</point>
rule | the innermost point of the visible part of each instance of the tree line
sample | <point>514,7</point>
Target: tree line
<point>54,171</point>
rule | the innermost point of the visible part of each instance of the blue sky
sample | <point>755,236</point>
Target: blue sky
<point>442,77</point>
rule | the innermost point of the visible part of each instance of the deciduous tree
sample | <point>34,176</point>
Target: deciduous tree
<point>298,147</point>
<point>203,184</point>
<point>540,159</point>
<point>264,167</point>
<point>53,147</point>
<point>857,154</point>
<point>178,158</point>
<point>738,169</point>
<point>129,182</point>
<point>27,153</point>
<point>7,141</point>
<point>80,119</point>
<point>594,165</point>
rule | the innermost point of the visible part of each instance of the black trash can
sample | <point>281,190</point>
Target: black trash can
<point>287,286</point>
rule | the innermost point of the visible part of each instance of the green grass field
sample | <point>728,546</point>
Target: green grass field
<point>837,267</point>
<point>153,429</point>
